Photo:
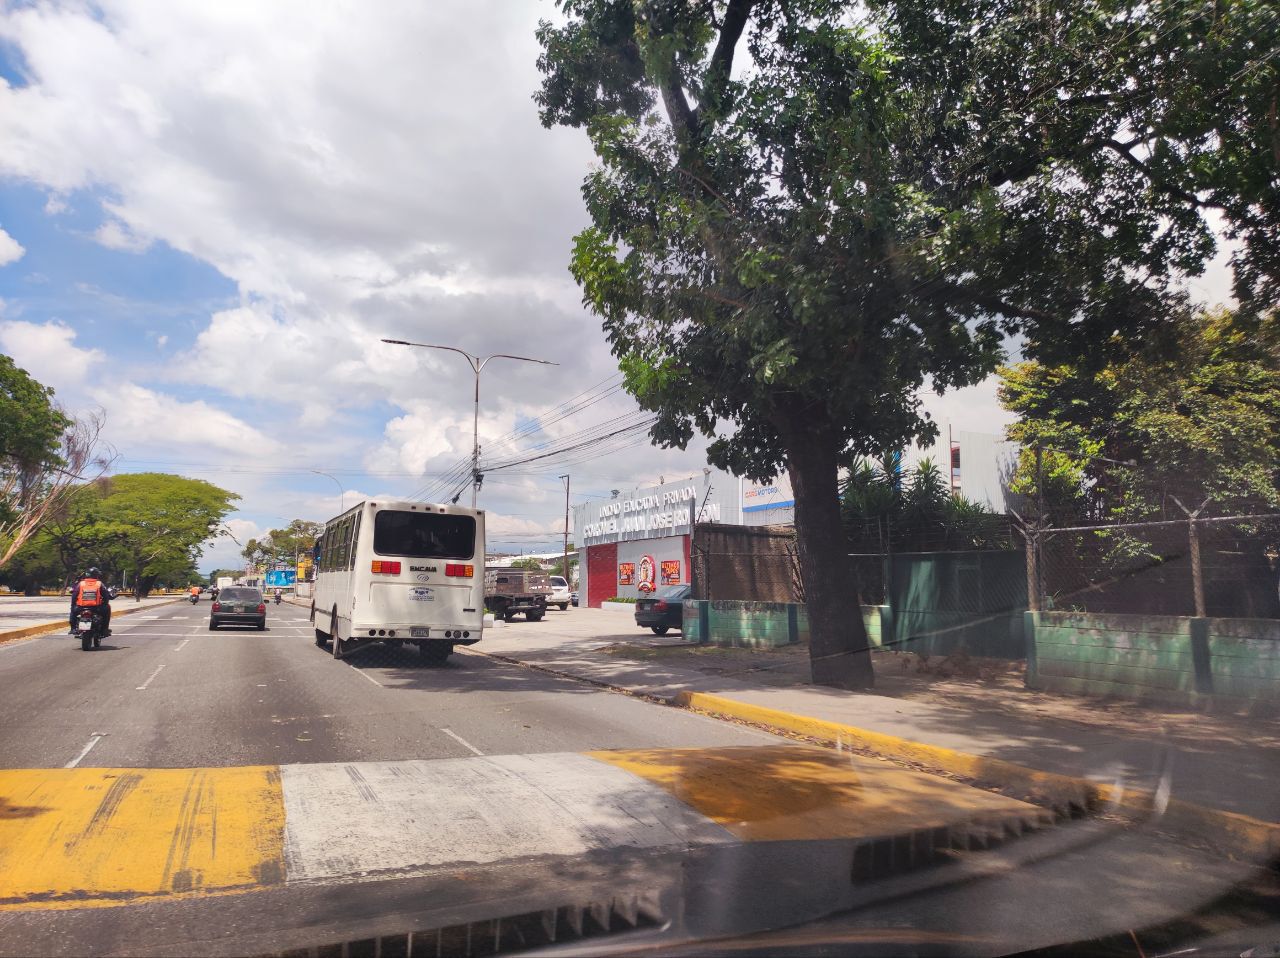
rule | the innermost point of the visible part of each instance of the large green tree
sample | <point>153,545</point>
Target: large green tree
<point>805,210</point>
<point>144,528</point>
<point>283,545</point>
<point>1195,415</point>
<point>162,521</point>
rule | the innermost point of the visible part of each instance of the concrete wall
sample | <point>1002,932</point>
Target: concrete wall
<point>1168,659</point>
<point>735,623</point>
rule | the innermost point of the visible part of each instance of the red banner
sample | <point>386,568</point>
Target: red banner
<point>626,573</point>
<point>670,571</point>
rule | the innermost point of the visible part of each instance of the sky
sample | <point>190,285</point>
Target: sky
<point>212,213</point>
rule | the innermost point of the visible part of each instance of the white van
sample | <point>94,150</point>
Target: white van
<point>396,571</point>
<point>560,594</point>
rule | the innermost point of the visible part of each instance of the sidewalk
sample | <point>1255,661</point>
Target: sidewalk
<point>1224,762</point>
<point>22,615</point>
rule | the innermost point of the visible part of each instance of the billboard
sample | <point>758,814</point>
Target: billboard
<point>281,578</point>
<point>765,496</point>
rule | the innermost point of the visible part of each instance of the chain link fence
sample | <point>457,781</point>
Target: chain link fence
<point>1220,567</point>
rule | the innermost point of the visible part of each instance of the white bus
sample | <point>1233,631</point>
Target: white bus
<point>400,572</point>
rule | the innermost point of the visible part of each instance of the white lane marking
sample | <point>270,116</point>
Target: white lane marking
<point>94,739</point>
<point>144,618</point>
<point>178,647</point>
<point>364,673</point>
<point>360,821</point>
<point>461,741</point>
<point>143,686</point>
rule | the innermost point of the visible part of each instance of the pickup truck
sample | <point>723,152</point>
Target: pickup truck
<point>508,592</point>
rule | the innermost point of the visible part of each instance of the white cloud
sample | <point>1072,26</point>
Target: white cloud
<point>115,235</point>
<point>48,352</point>
<point>140,416</point>
<point>10,249</point>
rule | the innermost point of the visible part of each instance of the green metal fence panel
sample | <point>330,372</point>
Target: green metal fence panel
<point>942,602</point>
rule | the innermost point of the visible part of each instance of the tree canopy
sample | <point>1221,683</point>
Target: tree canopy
<point>43,454</point>
<point>283,545</point>
<point>147,528</point>
<point>805,211</point>
<point>1195,415</point>
<point>31,424</point>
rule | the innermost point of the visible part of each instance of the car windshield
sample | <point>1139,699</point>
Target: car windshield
<point>424,535</point>
<point>894,384</point>
<point>239,595</point>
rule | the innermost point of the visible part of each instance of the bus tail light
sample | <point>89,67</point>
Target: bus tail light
<point>386,568</point>
<point>454,568</point>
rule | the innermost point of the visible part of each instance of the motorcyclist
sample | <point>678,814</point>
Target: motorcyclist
<point>89,592</point>
<point>279,595</point>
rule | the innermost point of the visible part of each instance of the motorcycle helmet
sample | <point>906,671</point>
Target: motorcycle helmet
<point>93,572</point>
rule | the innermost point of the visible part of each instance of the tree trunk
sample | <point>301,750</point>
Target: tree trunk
<point>839,652</point>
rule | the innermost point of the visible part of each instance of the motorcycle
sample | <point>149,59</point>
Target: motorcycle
<point>194,598</point>
<point>278,600</point>
<point>89,630</point>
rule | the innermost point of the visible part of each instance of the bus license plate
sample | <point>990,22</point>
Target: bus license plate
<point>419,633</point>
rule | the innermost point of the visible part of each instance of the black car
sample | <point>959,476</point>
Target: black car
<point>238,606</point>
<point>664,610</point>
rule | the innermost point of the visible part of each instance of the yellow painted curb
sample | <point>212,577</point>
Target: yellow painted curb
<point>98,837</point>
<point>1236,834</point>
<point>14,634</point>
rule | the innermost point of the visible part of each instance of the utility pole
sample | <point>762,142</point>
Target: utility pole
<point>565,567</point>
<point>477,364</point>
<point>1197,571</point>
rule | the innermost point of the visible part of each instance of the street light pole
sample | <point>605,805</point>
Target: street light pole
<point>342,493</point>
<point>477,364</point>
<point>564,568</point>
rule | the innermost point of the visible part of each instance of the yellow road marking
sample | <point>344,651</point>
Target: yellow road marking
<point>86,837</point>
<point>776,793</point>
<point>1232,832</point>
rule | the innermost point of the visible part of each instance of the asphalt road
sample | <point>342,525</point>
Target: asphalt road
<point>181,791</point>
<point>165,692</point>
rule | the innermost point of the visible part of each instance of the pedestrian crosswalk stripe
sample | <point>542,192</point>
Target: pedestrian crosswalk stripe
<point>86,837</point>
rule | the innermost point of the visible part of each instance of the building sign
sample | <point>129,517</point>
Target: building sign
<point>281,578</point>
<point>777,494</point>
<point>626,573</point>
<point>670,571</point>
<point>650,516</point>
<point>648,574</point>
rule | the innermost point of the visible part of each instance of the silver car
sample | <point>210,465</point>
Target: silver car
<point>238,605</point>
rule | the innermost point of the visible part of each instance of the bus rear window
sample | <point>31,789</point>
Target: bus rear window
<point>424,535</point>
